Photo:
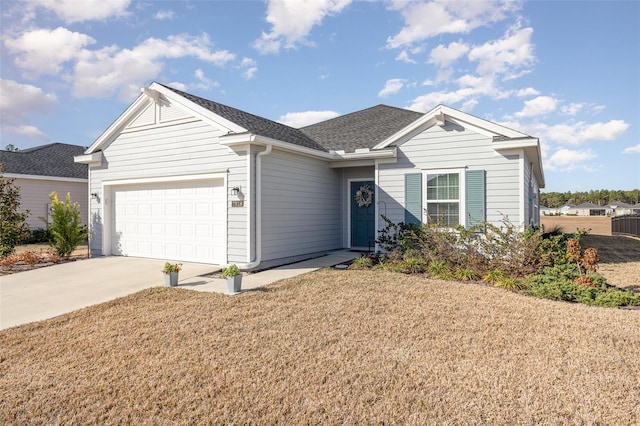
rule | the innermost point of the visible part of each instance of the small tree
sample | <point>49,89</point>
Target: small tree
<point>66,229</point>
<point>13,226</point>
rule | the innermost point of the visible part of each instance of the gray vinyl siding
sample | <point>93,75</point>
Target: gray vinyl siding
<point>300,206</point>
<point>35,197</point>
<point>167,151</point>
<point>453,147</point>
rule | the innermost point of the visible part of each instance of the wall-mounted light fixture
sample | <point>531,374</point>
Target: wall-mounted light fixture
<point>235,190</point>
<point>95,196</point>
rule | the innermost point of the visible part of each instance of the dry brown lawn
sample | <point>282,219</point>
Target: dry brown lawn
<point>598,225</point>
<point>330,347</point>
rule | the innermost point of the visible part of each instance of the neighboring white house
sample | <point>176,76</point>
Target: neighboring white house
<point>40,170</point>
<point>590,209</point>
<point>179,177</point>
<point>618,208</point>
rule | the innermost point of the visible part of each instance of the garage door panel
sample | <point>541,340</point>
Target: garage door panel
<point>148,222</point>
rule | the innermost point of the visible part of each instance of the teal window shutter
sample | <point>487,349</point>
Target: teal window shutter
<point>476,210</point>
<point>413,198</point>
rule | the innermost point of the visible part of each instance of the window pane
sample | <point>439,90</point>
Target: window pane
<point>446,214</point>
<point>443,186</point>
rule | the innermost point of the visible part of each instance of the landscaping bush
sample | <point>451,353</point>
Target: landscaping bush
<point>561,282</point>
<point>13,226</point>
<point>66,229</point>
<point>550,266</point>
<point>39,235</point>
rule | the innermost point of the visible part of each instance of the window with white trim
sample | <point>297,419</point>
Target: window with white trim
<point>443,195</point>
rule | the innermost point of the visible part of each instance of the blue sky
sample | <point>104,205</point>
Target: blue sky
<point>567,72</point>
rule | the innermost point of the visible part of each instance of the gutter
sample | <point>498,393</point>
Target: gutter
<point>258,238</point>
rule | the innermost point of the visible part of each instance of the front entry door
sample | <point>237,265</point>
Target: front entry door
<point>363,214</point>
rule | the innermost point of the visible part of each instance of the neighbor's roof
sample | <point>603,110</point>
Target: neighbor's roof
<point>588,205</point>
<point>253,123</point>
<point>54,159</point>
<point>361,129</point>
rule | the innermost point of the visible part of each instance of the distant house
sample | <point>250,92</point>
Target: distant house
<point>590,209</point>
<point>181,177</point>
<point>567,209</point>
<point>40,170</point>
<point>547,211</point>
<point>618,208</point>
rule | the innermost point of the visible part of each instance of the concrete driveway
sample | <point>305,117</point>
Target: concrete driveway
<point>48,292</point>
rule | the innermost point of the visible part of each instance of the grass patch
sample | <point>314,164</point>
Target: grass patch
<point>337,347</point>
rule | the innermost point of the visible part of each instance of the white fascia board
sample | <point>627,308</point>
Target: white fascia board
<point>41,177</point>
<point>436,116</point>
<point>90,159</point>
<point>197,110</point>
<point>514,144</point>
<point>235,141</point>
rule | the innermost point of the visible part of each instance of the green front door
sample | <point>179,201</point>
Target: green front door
<point>363,214</point>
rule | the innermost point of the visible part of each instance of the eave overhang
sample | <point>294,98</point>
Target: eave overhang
<point>335,158</point>
<point>93,159</point>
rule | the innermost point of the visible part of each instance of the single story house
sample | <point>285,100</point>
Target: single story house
<point>590,209</point>
<point>179,177</point>
<point>40,170</point>
<point>618,208</point>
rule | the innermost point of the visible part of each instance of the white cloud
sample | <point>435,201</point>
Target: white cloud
<point>44,51</point>
<point>537,106</point>
<point>103,72</point>
<point>292,20</point>
<point>506,55</point>
<point>249,66</point>
<point>632,150</point>
<point>428,19</point>
<point>529,91</point>
<point>163,15</point>
<point>306,118</point>
<point>444,56</point>
<point>573,108</point>
<point>17,102</point>
<point>430,100</point>
<point>403,56</point>
<point>391,87</point>
<point>565,160</point>
<point>573,133</point>
<point>72,11</point>
<point>205,83</point>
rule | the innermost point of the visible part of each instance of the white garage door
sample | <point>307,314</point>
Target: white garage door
<point>170,220</point>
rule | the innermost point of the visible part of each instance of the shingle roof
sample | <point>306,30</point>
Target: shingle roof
<point>255,124</point>
<point>361,129</point>
<point>589,205</point>
<point>54,159</point>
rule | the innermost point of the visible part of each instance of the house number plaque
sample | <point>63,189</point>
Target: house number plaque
<point>237,203</point>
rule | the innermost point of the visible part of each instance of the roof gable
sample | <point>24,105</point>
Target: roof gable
<point>54,160</point>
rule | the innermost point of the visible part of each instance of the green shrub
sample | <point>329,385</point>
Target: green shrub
<point>66,229</point>
<point>412,262</point>
<point>13,226</point>
<point>230,271</point>
<point>362,262</point>
<point>617,298</point>
<point>465,274</point>
<point>511,284</point>
<point>559,283</point>
<point>493,276</point>
<point>440,269</point>
<point>39,235</point>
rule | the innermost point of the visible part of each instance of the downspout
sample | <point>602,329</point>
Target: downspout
<point>258,198</point>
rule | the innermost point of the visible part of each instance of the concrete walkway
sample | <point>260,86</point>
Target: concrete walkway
<point>48,292</point>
